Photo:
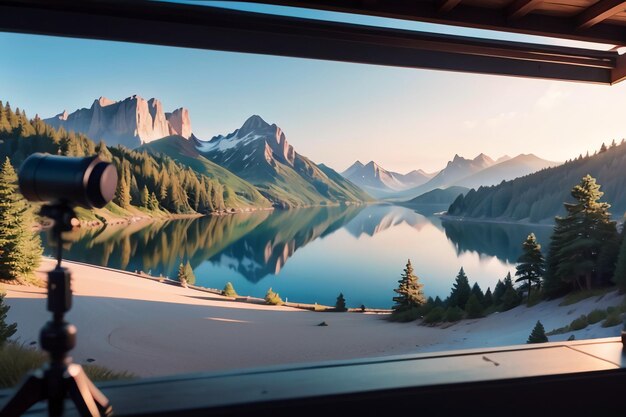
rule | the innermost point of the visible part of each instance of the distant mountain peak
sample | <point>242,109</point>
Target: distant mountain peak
<point>254,122</point>
<point>483,158</point>
<point>62,116</point>
<point>103,101</point>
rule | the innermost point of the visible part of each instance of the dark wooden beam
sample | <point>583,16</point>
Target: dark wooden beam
<point>444,6</point>
<point>228,30</point>
<point>469,16</point>
<point>618,74</point>
<point>600,11</point>
<point>521,8</point>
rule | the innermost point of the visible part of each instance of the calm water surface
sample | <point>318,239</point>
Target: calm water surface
<point>311,255</point>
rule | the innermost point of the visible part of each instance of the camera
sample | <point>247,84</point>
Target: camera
<point>87,182</point>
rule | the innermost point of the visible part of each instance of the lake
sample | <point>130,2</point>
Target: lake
<point>311,255</point>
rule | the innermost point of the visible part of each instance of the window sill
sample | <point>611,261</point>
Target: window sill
<point>551,377</point>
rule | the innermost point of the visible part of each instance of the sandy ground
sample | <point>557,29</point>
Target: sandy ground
<point>152,328</point>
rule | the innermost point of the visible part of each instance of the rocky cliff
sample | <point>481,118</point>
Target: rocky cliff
<point>131,122</point>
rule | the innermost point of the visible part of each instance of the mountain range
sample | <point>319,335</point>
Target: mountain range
<point>257,167</point>
<point>539,197</point>
<point>379,182</point>
<point>458,172</point>
<point>255,163</point>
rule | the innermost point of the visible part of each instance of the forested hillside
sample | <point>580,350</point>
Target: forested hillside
<point>539,197</point>
<point>153,182</point>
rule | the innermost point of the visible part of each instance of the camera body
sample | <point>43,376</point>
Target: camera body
<point>87,182</point>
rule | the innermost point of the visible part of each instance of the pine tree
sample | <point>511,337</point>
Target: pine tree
<point>189,275</point>
<point>478,293</point>
<point>340,305</point>
<point>186,275</point>
<point>182,276</point>
<point>410,293</point>
<point>474,308</point>
<point>538,335</point>
<point>229,290</point>
<point>498,292</point>
<point>460,291</point>
<point>103,152</point>
<point>583,242</point>
<point>488,300</point>
<point>20,248</point>
<point>531,264</point>
<point>145,197</point>
<point>6,330</point>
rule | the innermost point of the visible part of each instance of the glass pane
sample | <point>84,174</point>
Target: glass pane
<point>267,207</point>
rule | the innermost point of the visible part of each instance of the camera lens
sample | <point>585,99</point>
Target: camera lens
<point>86,182</point>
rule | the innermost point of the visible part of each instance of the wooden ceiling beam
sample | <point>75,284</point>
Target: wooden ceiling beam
<point>205,27</point>
<point>444,6</point>
<point>470,16</point>
<point>600,11</point>
<point>619,72</point>
<point>521,8</point>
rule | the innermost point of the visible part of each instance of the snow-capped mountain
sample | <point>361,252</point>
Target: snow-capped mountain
<point>259,153</point>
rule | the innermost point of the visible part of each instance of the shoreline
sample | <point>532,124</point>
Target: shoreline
<point>496,221</point>
<point>140,216</point>
<point>150,328</point>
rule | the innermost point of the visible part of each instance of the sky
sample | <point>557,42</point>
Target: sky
<point>334,113</point>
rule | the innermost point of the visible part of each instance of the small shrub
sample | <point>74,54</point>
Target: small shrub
<point>340,304</point>
<point>560,330</point>
<point>453,314</point>
<point>229,290</point>
<point>100,373</point>
<point>596,316</point>
<point>434,316</point>
<point>186,275</point>
<point>613,319</point>
<point>16,360</point>
<point>538,334</point>
<point>611,310</point>
<point>579,323</point>
<point>273,298</point>
<point>405,316</point>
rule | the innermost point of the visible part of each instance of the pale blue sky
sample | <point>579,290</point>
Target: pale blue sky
<point>332,112</point>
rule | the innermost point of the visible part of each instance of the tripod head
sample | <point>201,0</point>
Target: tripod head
<point>62,214</point>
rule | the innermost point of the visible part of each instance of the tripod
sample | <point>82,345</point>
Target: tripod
<point>60,378</point>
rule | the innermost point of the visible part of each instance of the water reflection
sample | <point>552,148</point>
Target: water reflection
<point>311,254</point>
<point>501,240</point>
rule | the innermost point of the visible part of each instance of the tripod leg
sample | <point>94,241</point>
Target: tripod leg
<point>88,399</point>
<point>101,400</point>
<point>31,392</point>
